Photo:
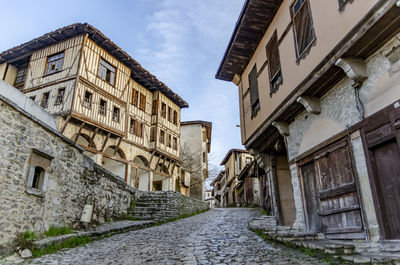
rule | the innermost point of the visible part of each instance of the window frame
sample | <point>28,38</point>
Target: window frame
<point>163,110</point>
<point>255,106</point>
<point>273,47</point>
<point>103,110</point>
<point>87,103</point>
<point>58,101</point>
<point>46,69</point>
<point>175,143</point>
<point>302,55</point>
<point>142,103</point>
<point>175,118</point>
<point>116,113</point>
<point>21,84</point>
<point>98,71</point>
<point>37,159</point>
<point>44,104</point>
<point>162,137</point>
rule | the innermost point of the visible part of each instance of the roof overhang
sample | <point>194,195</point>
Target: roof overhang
<point>139,74</point>
<point>230,152</point>
<point>255,18</point>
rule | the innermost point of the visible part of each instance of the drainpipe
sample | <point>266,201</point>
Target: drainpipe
<point>355,173</point>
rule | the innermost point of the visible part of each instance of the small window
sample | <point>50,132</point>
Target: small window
<point>39,163</point>
<point>21,77</point>
<point>132,126</point>
<point>204,157</point>
<point>38,177</point>
<point>162,137</point>
<point>169,141</point>
<point>45,100</point>
<point>175,117</point>
<point>60,96</point>
<point>274,64</point>
<point>240,163</point>
<point>54,63</point>
<point>115,116</point>
<point>175,144</point>
<point>135,98</point>
<point>103,107</point>
<point>142,102</point>
<point>169,114</point>
<point>303,28</point>
<point>87,100</point>
<point>163,110</point>
<point>106,71</point>
<point>253,82</point>
<point>152,134</point>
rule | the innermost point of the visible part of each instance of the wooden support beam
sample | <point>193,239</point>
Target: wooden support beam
<point>117,147</point>
<point>65,123</point>
<point>93,135</point>
<point>105,142</point>
<point>151,158</point>
<point>79,132</point>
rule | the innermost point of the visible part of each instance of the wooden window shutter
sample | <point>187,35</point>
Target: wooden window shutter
<point>135,97</point>
<point>155,107</point>
<point>303,26</point>
<point>142,101</point>
<point>274,63</point>
<point>253,82</point>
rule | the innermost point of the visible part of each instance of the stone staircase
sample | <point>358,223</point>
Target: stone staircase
<point>164,205</point>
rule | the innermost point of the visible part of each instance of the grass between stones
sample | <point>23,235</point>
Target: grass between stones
<point>315,253</point>
<point>69,243</point>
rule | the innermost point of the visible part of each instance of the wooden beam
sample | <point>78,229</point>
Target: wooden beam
<point>65,123</point>
<point>117,147</point>
<point>105,142</point>
<point>93,135</point>
<point>79,132</point>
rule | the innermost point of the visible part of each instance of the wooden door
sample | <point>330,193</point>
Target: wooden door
<point>337,193</point>
<point>383,160</point>
<point>285,190</point>
<point>313,219</point>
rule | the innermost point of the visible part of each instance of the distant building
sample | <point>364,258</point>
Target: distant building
<point>126,119</point>
<point>195,145</point>
<point>247,189</point>
<point>218,185</point>
<point>234,161</point>
<point>209,199</point>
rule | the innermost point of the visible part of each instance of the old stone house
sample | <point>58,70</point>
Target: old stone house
<point>217,193</point>
<point>319,93</point>
<point>195,146</point>
<point>247,189</point>
<point>234,162</point>
<point>126,119</point>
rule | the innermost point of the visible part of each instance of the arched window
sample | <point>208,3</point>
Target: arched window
<point>39,164</point>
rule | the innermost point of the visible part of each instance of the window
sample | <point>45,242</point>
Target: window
<point>132,126</point>
<point>142,102</point>
<point>169,114</point>
<point>106,71</point>
<point>204,157</point>
<point>163,110</point>
<point>152,134</point>
<point>274,64</point>
<point>175,144</point>
<point>154,107</point>
<point>253,82</point>
<point>87,100</point>
<point>21,76</point>
<point>54,63</point>
<point>103,107</point>
<point>115,116</point>
<point>45,100</point>
<point>162,137</point>
<point>248,160</point>
<point>60,96</point>
<point>175,117</point>
<point>39,163</point>
<point>303,28</point>
<point>240,163</point>
<point>136,128</point>
<point>135,98</point>
<point>169,141</point>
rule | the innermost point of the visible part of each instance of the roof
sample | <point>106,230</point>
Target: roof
<point>139,74</point>
<point>206,124</point>
<point>255,18</point>
<point>230,152</point>
<point>218,177</point>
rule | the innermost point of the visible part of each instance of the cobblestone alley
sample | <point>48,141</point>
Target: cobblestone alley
<point>219,236</point>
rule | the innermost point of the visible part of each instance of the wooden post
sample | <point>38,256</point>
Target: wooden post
<point>79,132</point>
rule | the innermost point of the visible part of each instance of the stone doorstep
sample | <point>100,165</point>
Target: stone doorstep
<point>108,228</point>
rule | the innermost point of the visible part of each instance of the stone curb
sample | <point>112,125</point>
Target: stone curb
<point>105,229</point>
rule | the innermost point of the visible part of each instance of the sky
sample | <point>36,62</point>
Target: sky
<point>181,42</point>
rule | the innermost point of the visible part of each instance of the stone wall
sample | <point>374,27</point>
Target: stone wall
<point>69,178</point>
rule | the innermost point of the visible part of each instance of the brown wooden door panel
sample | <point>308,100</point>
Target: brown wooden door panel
<point>385,163</point>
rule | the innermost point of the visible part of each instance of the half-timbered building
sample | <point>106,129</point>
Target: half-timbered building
<point>319,94</point>
<point>126,119</point>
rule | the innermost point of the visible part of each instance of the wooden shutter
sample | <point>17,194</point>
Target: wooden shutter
<point>142,101</point>
<point>274,63</point>
<point>253,82</point>
<point>135,97</point>
<point>303,27</point>
<point>155,107</point>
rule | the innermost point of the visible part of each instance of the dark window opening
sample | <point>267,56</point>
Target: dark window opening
<point>60,96</point>
<point>169,141</point>
<point>254,100</point>
<point>21,77</point>
<point>87,100</point>
<point>106,72</point>
<point>163,110</point>
<point>142,102</point>
<point>175,117</point>
<point>152,134</point>
<point>115,116</point>
<point>162,137</point>
<point>103,107</point>
<point>169,114</point>
<point>135,98</point>
<point>175,145</point>
<point>274,64</point>
<point>154,107</point>
<point>38,178</point>
<point>54,63</point>
<point>45,100</point>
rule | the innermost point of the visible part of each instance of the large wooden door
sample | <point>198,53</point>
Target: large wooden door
<point>314,222</point>
<point>337,193</point>
<point>383,159</point>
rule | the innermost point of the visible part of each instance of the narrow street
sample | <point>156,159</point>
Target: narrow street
<point>219,236</point>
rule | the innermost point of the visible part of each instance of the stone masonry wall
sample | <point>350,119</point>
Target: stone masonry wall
<point>71,176</point>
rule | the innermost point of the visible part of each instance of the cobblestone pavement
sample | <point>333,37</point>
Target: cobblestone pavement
<point>219,236</point>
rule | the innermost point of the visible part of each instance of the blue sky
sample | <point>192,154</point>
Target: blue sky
<point>180,41</point>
